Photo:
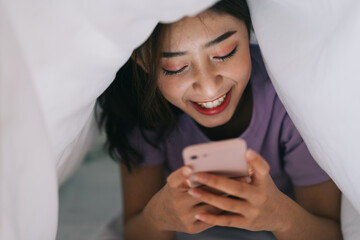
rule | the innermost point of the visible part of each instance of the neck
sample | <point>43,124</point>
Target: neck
<point>238,123</point>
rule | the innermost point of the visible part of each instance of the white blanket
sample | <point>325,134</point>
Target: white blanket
<point>311,49</point>
<point>56,57</point>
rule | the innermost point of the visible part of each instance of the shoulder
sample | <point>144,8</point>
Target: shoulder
<point>258,64</point>
<point>266,101</point>
<point>260,80</point>
<point>255,50</point>
<point>280,132</point>
<point>268,104</point>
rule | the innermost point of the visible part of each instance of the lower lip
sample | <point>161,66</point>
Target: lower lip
<point>215,110</point>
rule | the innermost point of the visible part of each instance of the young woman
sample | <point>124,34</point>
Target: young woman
<point>199,80</point>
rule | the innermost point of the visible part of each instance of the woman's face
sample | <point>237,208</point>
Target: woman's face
<point>205,66</point>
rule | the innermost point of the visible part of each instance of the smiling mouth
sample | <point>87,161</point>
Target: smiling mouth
<point>212,104</point>
<point>213,107</point>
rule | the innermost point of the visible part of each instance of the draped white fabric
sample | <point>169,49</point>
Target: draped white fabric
<point>311,49</point>
<point>56,57</point>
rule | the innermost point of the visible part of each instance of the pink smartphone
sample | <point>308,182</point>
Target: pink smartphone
<point>225,158</point>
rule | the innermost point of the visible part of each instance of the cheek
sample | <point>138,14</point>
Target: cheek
<point>241,69</point>
<point>173,90</point>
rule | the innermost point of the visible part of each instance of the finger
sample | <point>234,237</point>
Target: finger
<point>224,203</point>
<point>223,184</point>
<point>206,208</point>
<point>194,225</point>
<point>179,179</point>
<point>211,190</point>
<point>200,226</point>
<point>259,169</point>
<point>246,179</point>
<point>226,220</point>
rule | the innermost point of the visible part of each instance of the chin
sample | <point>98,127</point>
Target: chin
<point>213,123</point>
<point>210,125</point>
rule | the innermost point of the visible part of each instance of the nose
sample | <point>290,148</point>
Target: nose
<point>207,81</point>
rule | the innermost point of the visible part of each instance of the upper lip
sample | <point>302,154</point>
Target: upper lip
<point>206,101</point>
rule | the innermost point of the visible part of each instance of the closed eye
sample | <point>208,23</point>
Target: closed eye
<point>168,72</point>
<point>227,56</point>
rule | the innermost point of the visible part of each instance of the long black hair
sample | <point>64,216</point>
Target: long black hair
<point>134,100</point>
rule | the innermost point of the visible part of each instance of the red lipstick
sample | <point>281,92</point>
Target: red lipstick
<point>215,110</point>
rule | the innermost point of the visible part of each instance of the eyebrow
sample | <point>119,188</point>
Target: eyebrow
<point>172,54</point>
<point>220,38</point>
<point>207,45</point>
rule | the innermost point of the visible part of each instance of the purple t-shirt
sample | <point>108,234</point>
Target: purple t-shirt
<point>270,132</point>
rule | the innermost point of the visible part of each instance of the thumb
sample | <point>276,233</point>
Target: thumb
<point>179,179</point>
<point>258,168</point>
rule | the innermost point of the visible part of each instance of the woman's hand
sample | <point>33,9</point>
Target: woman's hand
<point>253,206</point>
<point>173,209</point>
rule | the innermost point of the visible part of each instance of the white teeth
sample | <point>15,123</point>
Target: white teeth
<point>213,104</point>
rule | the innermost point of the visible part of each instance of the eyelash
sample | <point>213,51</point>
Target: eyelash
<point>223,58</point>
<point>232,53</point>
<point>167,72</point>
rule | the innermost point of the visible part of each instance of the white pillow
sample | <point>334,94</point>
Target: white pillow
<point>311,49</point>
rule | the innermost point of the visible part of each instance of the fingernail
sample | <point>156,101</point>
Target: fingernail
<point>188,182</point>
<point>248,179</point>
<point>200,178</point>
<point>199,217</point>
<point>193,178</point>
<point>250,154</point>
<point>194,193</point>
<point>187,171</point>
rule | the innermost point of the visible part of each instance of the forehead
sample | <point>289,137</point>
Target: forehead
<point>200,29</point>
